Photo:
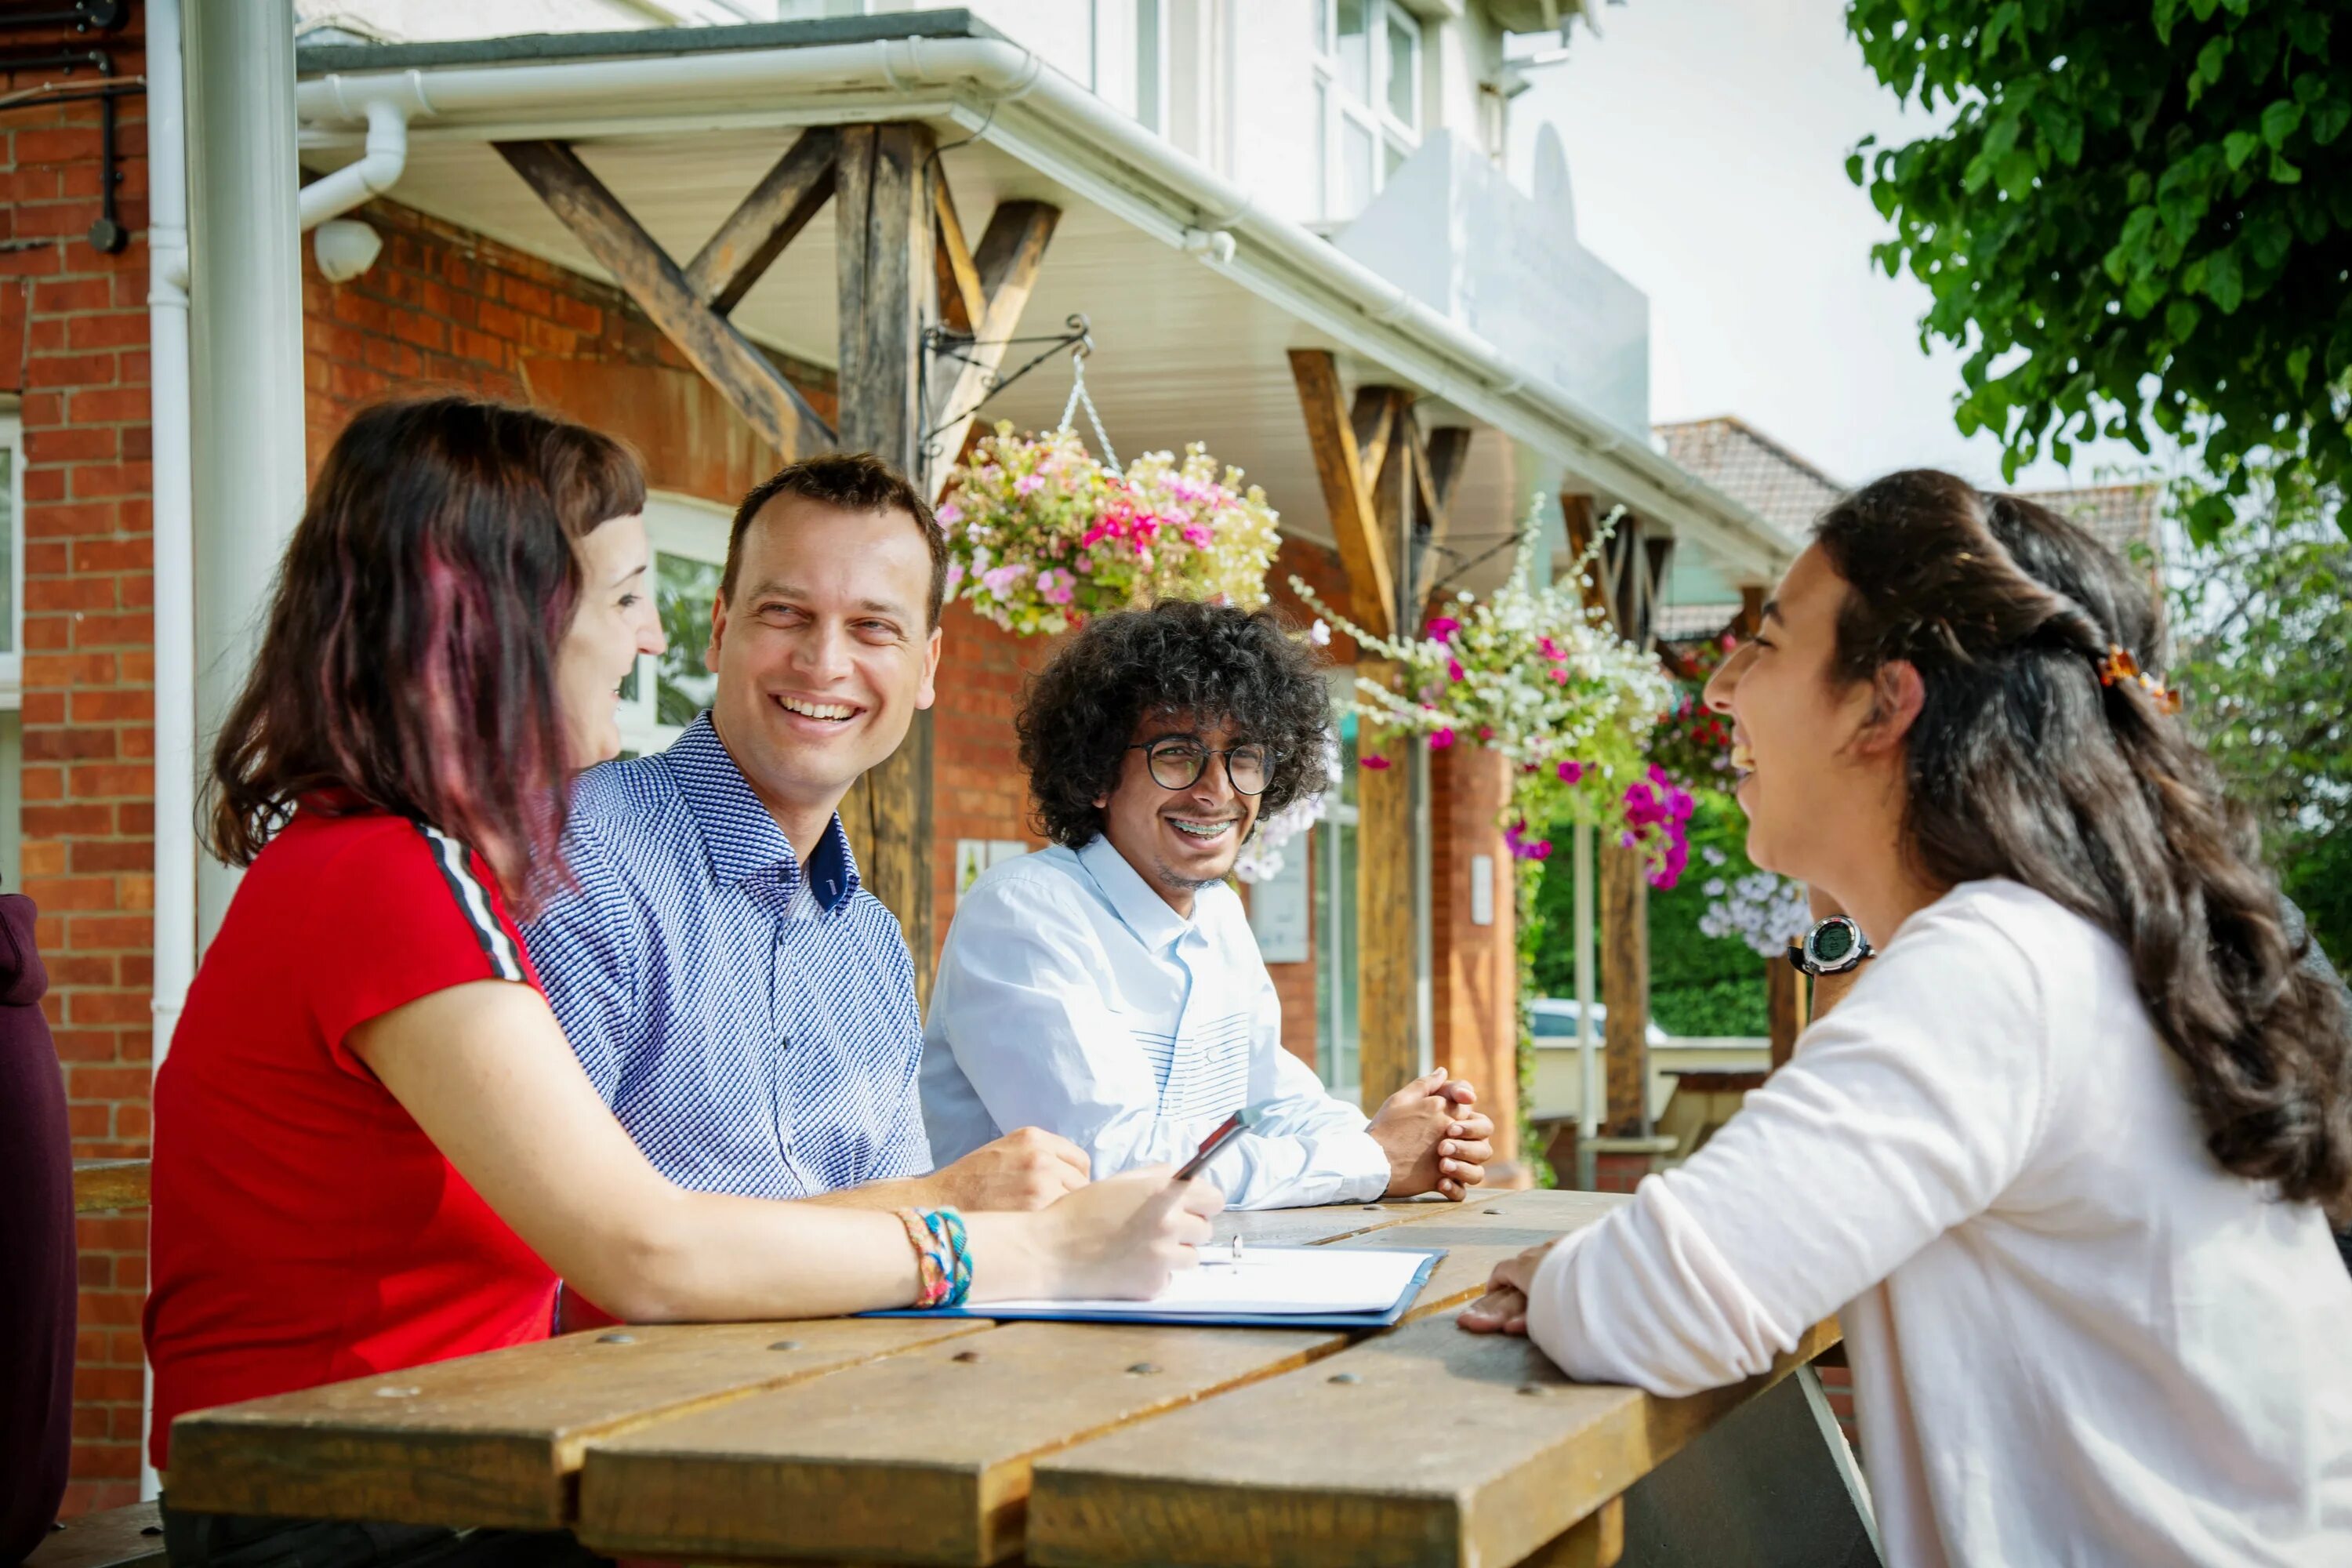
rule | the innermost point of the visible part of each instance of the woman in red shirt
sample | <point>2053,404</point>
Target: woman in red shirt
<point>373,1147</point>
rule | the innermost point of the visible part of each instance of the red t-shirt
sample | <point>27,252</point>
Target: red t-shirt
<point>305,1229</point>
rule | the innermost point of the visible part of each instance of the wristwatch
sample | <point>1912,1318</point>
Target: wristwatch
<point>1831,947</point>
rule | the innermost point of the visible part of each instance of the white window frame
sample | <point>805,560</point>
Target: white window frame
<point>12,660</point>
<point>680,525</point>
<point>1341,107</point>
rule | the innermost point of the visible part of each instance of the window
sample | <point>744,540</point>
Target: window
<point>1150,65</point>
<point>661,697</point>
<point>1367,97</point>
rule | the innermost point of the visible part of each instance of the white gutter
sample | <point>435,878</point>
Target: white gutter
<point>1006,95</point>
<point>174,572</point>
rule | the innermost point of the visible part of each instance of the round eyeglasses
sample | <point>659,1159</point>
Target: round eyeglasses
<point>1177,765</point>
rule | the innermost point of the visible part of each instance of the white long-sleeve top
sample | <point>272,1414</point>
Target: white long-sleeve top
<point>2075,1337</point>
<point>1071,996</point>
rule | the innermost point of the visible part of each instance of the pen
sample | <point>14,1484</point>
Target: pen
<point>1231,1128</point>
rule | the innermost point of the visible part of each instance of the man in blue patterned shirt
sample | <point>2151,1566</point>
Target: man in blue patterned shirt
<point>744,1006</point>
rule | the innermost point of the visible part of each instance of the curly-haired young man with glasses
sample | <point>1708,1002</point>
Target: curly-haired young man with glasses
<point>1107,988</point>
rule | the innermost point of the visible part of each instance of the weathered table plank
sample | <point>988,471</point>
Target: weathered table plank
<point>925,1458</point>
<point>496,1439</point>
<point>1511,1456</point>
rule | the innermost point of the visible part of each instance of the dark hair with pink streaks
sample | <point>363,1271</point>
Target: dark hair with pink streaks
<point>408,665</point>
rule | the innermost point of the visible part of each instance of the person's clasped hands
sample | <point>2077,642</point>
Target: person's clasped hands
<point>1435,1143</point>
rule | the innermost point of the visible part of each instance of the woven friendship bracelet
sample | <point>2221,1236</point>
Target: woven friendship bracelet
<point>946,1228</point>
<point>930,1260</point>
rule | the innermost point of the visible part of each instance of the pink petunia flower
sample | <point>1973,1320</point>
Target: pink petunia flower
<point>949,514</point>
<point>1376,762</point>
<point>1029,484</point>
<point>1441,628</point>
<point>1440,738</point>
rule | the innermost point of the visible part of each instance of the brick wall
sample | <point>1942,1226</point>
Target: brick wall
<point>978,790</point>
<point>73,329</point>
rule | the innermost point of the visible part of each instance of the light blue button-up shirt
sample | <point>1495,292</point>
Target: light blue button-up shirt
<point>750,1023</point>
<point>1072,997</point>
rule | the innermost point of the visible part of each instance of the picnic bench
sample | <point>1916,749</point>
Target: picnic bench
<point>964,1442</point>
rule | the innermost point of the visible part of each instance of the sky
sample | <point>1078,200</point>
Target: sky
<point>1707,143</point>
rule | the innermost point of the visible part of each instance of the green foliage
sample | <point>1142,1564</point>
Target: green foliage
<point>1698,984</point>
<point>2266,662</point>
<point>2136,213</point>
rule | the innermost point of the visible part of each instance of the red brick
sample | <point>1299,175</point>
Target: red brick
<point>58,146</point>
<point>133,628</point>
<point>91,480</point>
<point>70,669</point>
<point>86,1122</point>
<point>50,558</point>
<point>80,969</point>
<point>61,520</point>
<point>94,1008</point>
<point>100,780</point>
<point>65,295</point>
<point>48,634</point>
<point>71,444</point>
<point>137,891</point>
<point>101,406</point>
<point>111,855</point>
<point>136,819</point>
<point>41,783</point>
<point>67,745</point>
<point>111,331</point>
<point>58,894</point>
<point>109,707</point>
<point>76,369</point>
<point>77,594</point>
<point>44,484</point>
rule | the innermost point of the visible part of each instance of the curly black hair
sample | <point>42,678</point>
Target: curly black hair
<point>1210,662</point>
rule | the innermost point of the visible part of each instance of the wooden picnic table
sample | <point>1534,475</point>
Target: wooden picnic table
<point>963,1442</point>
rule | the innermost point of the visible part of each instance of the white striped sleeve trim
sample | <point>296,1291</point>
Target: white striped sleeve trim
<point>474,900</point>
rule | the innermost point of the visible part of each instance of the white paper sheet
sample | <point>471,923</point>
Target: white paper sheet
<point>1267,1280</point>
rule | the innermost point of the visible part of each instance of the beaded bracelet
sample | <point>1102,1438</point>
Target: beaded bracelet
<point>935,1271</point>
<point>946,1228</point>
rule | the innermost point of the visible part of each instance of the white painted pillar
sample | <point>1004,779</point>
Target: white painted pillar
<point>167,335</point>
<point>246,349</point>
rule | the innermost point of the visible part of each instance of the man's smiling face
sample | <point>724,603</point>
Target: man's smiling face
<point>822,654</point>
<point>1179,841</point>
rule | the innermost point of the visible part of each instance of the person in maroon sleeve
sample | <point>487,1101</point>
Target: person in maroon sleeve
<point>373,1147</point>
<point>36,1247</point>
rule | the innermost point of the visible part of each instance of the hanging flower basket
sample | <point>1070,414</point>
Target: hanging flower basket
<point>1042,535</point>
<point>1534,674</point>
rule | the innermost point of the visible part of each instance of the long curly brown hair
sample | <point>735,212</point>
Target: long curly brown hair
<point>2023,763</point>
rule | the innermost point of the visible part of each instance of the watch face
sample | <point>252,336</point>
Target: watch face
<point>1834,941</point>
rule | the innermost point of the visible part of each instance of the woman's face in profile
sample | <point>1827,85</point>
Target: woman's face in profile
<point>1806,796</point>
<point>614,621</point>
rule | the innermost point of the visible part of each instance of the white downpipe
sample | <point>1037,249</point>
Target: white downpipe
<point>377,171</point>
<point>1067,133</point>
<point>174,564</point>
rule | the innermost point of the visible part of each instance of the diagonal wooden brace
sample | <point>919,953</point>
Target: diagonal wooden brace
<point>728,360</point>
<point>766,221</point>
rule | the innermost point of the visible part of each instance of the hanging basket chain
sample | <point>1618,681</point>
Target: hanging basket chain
<point>1078,395</point>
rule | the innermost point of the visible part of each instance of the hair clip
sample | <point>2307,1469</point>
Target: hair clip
<point>2119,665</point>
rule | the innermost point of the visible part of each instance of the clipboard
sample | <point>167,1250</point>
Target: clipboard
<point>1409,1269</point>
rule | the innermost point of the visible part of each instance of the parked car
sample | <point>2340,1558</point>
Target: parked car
<point>1555,1021</point>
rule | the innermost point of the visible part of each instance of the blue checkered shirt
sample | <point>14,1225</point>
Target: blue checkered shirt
<point>753,1028</point>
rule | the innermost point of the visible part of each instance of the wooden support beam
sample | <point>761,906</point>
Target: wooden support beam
<point>1751,610</point>
<point>1388,1043</point>
<point>1011,252</point>
<point>728,360</point>
<point>1364,551</point>
<point>1625,988</point>
<point>1449,452</point>
<point>766,221</point>
<point>1578,514</point>
<point>883,222</point>
<point>963,303</point>
<point>1657,549</point>
<point>1373,418</point>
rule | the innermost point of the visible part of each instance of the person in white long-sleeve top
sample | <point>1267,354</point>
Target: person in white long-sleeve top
<point>2060,1162</point>
<point>1108,988</point>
